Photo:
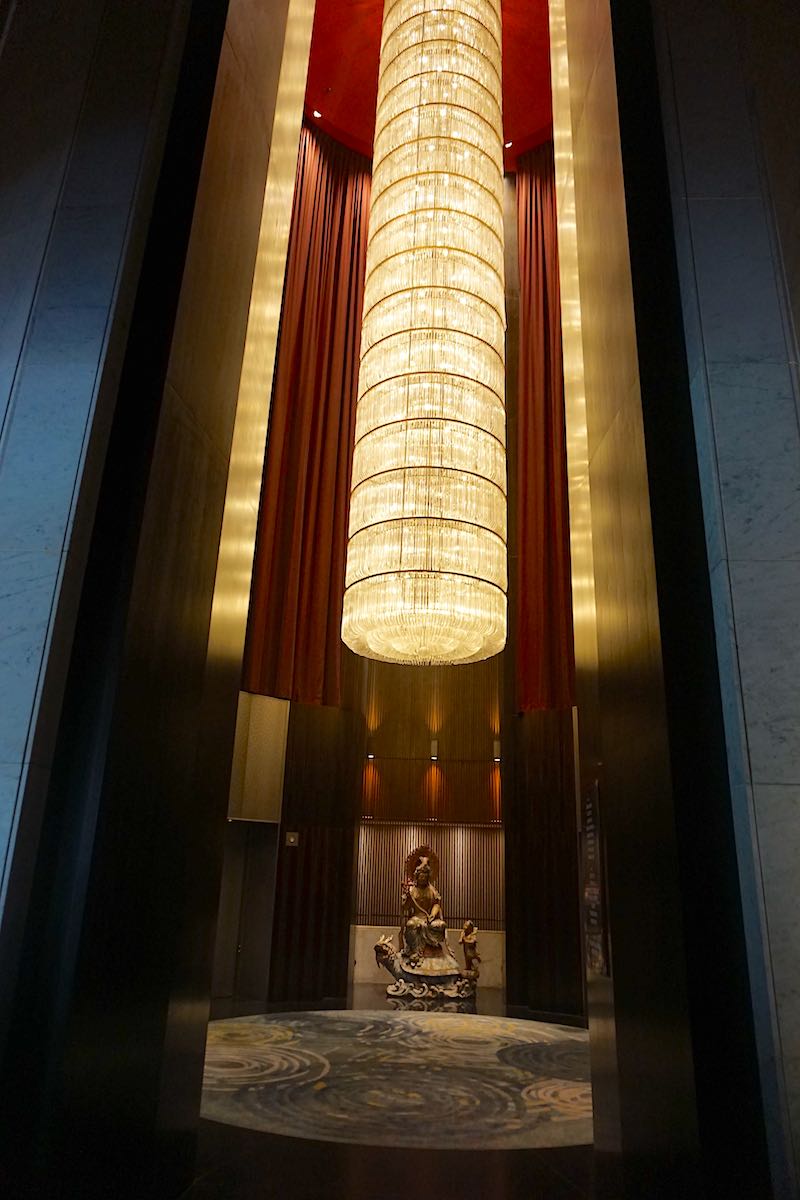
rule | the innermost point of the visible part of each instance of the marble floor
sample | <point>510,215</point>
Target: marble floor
<point>441,1081</point>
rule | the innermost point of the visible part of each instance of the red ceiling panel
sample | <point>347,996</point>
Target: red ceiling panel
<point>343,72</point>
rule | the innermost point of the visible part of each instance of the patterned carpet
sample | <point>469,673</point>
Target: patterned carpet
<point>440,1080</point>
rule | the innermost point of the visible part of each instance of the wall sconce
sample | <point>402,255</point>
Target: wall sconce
<point>434,749</point>
<point>370,751</point>
<point>497,750</point>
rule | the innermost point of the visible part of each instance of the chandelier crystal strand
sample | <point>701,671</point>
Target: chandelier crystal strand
<point>426,569</point>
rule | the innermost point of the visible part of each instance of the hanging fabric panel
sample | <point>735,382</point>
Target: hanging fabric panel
<point>543,608</point>
<point>293,647</point>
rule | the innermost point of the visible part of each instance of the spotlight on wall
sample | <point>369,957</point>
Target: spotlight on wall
<point>496,749</point>
<point>370,751</point>
<point>434,749</point>
<point>508,145</point>
<point>316,113</point>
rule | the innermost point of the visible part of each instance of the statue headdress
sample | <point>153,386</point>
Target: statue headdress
<point>415,858</point>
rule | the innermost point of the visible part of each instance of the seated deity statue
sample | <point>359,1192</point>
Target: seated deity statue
<point>425,967</point>
<point>423,932</point>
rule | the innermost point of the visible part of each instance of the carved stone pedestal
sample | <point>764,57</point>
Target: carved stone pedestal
<point>434,982</point>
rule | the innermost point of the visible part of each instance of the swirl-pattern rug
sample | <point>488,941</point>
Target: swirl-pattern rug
<point>440,1080</point>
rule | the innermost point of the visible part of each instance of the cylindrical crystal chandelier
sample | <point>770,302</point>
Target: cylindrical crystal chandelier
<point>426,560</point>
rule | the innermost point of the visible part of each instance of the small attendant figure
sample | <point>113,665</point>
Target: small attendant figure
<point>469,940</point>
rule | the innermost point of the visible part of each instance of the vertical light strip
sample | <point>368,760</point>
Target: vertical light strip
<point>426,561</point>
<point>240,518</point>
<point>580,513</point>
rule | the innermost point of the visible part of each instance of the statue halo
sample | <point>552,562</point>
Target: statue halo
<point>412,862</point>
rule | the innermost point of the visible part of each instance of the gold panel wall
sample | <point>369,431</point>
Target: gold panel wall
<point>406,709</point>
<point>623,732</point>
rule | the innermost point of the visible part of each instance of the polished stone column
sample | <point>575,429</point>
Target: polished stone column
<point>729,83</point>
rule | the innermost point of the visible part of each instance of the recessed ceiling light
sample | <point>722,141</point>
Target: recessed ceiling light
<point>317,114</point>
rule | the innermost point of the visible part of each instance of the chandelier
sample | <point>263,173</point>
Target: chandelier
<point>426,558</point>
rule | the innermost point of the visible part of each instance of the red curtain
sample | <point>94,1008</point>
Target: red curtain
<point>544,648</point>
<point>293,646</point>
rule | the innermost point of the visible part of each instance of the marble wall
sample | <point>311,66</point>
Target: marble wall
<point>726,81</point>
<point>676,1006</point>
<point>81,132</point>
<point>769,38</point>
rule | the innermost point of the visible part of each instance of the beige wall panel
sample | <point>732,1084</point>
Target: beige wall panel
<point>259,758</point>
<point>587,23</point>
<point>239,760</point>
<point>609,336</point>
<point>260,50</point>
<point>212,321</point>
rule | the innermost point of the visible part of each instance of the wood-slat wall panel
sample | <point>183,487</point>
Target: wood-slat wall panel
<point>471,876</point>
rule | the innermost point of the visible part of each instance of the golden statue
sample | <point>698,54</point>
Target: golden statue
<point>469,940</point>
<point>426,968</point>
<point>423,931</point>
